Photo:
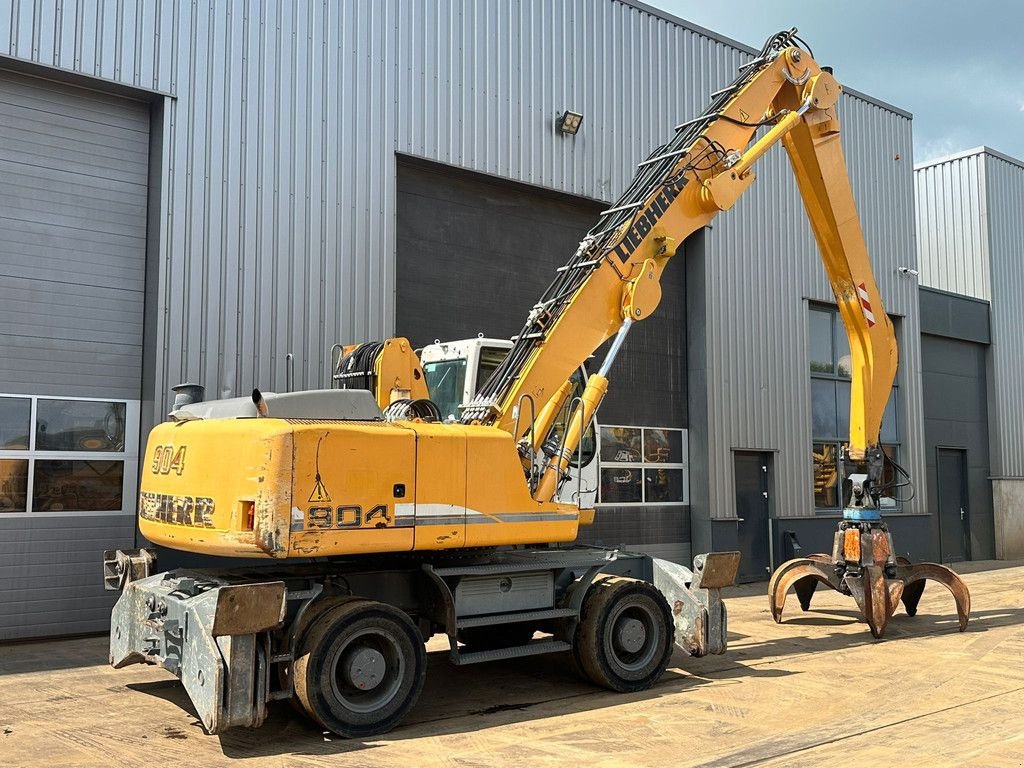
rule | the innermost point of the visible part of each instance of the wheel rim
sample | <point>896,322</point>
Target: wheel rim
<point>634,641</point>
<point>367,671</point>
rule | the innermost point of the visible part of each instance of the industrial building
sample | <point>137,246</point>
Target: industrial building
<point>970,209</point>
<point>221,192</point>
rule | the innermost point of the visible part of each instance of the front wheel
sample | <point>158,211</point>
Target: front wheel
<point>360,668</point>
<point>624,638</point>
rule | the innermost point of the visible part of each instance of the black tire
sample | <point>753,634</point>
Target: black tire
<point>360,668</point>
<point>496,636</point>
<point>624,638</point>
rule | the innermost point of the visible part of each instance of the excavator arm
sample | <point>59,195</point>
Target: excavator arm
<point>613,279</point>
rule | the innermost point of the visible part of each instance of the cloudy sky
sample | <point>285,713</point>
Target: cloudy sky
<point>957,66</point>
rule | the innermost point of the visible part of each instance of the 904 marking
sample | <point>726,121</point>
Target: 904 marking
<point>166,460</point>
<point>350,516</point>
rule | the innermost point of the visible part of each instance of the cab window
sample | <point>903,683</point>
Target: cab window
<point>588,445</point>
<point>446,380</point>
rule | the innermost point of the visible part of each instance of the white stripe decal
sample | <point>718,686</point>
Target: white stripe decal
<point>449,514</point>
<point>865,304</point>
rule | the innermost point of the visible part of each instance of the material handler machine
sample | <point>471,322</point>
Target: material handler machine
<point>384,523</point>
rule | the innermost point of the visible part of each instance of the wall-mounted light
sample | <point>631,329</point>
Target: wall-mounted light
<point>568,122</point>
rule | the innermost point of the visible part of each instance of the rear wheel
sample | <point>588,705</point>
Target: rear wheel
<point>360,668</point>
<point>624,637</point>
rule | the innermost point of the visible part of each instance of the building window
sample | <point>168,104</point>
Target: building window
<point>67,455</point>
<point>643,465</point>
<point>830,369</point>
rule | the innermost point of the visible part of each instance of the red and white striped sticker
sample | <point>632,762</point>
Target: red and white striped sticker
<point>865,304</point>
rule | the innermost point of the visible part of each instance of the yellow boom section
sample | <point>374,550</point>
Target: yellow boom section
<point>615,274</point>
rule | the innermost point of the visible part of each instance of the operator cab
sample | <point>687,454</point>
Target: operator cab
<point>454,372</point>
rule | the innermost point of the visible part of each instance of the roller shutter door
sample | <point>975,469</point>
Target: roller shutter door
<point>74,169</point>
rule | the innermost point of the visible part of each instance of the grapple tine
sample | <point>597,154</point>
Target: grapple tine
<point>798,573</point>
<point>914,577</point>
<point>871,592</point>
<point>804,589</point>
<point>912,596</point>
<point>895,593</point>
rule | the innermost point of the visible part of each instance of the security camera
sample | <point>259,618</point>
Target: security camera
<point>908,271</point>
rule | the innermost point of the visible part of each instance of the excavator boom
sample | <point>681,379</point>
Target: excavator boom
<point>613,277</point>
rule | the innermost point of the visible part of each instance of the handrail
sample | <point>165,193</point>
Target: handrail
<point>533,419</point>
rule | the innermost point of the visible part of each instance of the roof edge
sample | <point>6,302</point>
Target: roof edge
<point>681,22</point>
<point>982,150</point>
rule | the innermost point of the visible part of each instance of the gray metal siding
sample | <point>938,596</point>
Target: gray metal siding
<point>952,243</point>
<point>279,161</point>
<point>1004,208</point>
<point>970,207</point>
<point>954,316</point>
<point>50,573</point>
<point>72,239</point>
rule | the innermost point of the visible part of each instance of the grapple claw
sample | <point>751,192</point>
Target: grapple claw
<point>803,574</point>
<point>914,575</point>
<point>862,564</point>
<point>876,596</point>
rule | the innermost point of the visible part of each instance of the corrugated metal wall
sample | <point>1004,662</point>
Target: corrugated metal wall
<point>1004,205</point>
<point>969,210</point>
<point>952,244</point>
<point>278,181</point>
<point>74,165</point>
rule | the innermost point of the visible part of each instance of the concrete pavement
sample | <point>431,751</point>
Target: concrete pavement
<point>816,690</point>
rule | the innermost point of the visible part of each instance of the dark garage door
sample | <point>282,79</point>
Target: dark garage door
<point>956,417</point>
<point>74,167</point>
<point>474,255</point>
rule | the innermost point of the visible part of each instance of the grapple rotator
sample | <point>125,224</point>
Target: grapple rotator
<point>863,563</point>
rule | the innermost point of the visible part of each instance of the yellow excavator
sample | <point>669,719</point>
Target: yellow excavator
<point>384,522</point>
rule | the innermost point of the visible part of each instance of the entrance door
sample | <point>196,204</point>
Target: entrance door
<point>954,522</point>
<point>752,508</point>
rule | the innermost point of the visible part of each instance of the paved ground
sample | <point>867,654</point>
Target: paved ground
<point>816,690</point>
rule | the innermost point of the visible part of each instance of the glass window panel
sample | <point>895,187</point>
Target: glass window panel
<point>890,478</point>
<point>79,425</point>
<point>588,445</point>
<point>842,410</point>
<point>621,444</point>
<point>890,433</point>
<point>621,485</point>
<point>77,485</point>
<point>490,359</point>
<point>844,363</point>
<point>13,484</point>
<point>15,418</point>
<point>663,485</point>
<point>587,448</point>
<point>446,380</point>
<point>826,475</point>
<point>663,446</point>
<point>822,354</point>
<point>823,408</point>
